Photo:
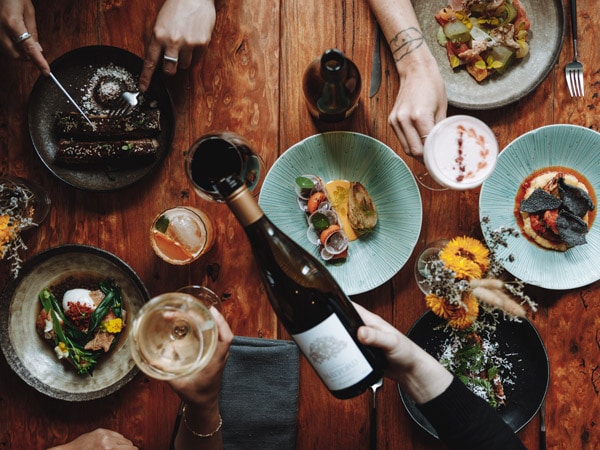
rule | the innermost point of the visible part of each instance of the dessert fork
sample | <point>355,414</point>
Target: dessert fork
<point>574,70</point>
<point>125,104</point>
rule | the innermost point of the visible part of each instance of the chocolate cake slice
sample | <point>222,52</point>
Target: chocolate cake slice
<point>116,154</point>
<point>141,124</point>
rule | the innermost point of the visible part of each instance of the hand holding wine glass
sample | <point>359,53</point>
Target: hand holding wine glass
<point>173,335</point>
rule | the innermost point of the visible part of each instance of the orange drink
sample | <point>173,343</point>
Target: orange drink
<point>181,235</point>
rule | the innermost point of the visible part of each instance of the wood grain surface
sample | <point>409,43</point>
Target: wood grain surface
<point>249,81</point>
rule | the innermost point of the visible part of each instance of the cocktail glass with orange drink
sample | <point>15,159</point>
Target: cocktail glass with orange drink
<point>181,235</point>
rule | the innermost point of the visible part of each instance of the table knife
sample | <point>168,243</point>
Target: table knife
<point>71,99</point>
<point>543,426</point>
<point>376,67</point>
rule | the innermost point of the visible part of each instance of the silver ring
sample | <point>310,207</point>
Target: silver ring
<point>424,137</point>
<point>170,59</point>
<point>22,37</point>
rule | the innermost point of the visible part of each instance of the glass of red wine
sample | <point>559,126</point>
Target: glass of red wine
<point>217,155</point>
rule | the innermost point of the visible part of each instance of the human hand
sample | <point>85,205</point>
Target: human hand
<point>417,372</point>
<point>420,104</point>
<point>18,33</point>
<point>203,387</point>
<point>181,26</point>
<point>99,439</point>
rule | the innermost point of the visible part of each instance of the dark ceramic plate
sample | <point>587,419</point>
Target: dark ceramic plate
<point>520,344</point>
<point>34,360</point>
<point>547,33</point>
<point>74,70</point>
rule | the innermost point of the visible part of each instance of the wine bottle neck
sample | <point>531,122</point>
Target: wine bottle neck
<point>244,207</point>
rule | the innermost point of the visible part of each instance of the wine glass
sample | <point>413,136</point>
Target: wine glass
<point>429,254</point>
<point>460,153</point>
<point>218,155</point>
<point>173,335</point>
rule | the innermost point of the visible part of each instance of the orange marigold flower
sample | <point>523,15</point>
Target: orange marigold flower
<point>466,256</point>
<point>459,315</point>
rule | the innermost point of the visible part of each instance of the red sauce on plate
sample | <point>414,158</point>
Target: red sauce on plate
<point>527,183</point>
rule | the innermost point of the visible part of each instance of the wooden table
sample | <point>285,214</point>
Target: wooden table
<point>249,81</point>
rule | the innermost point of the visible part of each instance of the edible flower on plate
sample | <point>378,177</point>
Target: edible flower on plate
<point>462,285</point>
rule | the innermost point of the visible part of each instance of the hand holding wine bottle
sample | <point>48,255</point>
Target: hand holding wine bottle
<point>307,299</point>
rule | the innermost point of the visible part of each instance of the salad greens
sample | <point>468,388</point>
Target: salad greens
<point>71,340</point>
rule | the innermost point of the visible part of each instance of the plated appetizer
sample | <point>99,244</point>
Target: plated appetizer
<point>484,36</point>
<point>82,319</point>
<point>555,207</point>
<point>338,212</point>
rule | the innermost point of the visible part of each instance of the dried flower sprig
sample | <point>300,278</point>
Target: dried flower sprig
<point>16,214</point>
<point>466,288</point>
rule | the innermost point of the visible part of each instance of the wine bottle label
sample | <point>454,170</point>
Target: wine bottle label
<point>333,354</point>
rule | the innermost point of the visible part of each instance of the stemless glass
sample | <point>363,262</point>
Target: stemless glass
<point>31,201</point>
<point>208,297</point>
<point>218,155</point>
<point>430,253</point>
<point>181,235</point>
<point>460,153</point>
<point>173,335</point>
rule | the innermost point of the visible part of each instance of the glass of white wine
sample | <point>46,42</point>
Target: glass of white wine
<point>173,335</point>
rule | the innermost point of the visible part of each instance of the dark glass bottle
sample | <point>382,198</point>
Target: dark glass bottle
<point>308,301</point>
<point>331,86</point>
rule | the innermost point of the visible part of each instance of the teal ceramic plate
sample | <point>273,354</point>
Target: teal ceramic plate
<point>374,258</point>
<point>547,33</point>
<point>569,146</point>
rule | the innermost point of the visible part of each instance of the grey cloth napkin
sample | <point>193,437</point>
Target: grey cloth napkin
<point>259,396</point>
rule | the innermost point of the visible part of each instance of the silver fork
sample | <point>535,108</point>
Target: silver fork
<point>125,104</point>
<point>574,70</point>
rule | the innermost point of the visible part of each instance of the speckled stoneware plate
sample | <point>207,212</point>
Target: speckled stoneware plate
<point>373,258</point>
<point>519,343</point>
<point>546,39</point>
<point>32,358</point>
<point>569,146</point>
<point>74,70</point>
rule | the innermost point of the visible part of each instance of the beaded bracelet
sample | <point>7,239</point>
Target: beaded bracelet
<point>194,432</point>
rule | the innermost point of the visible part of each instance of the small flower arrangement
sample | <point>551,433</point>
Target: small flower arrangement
<point>16,214</point>
<point>464,287</point>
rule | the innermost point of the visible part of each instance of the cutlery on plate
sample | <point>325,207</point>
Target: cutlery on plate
<point>71,99</point>
<point>125,104</point>
<point>376,67</point>
<point>574,70</point>
<point>374,414</point>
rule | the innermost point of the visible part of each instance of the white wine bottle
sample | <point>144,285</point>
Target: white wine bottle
<point>331,86</point>
<point>307,299</point>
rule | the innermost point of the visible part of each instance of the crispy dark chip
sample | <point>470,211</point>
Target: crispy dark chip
<point>539,201</point>
<point>571,228</point>
<point>574,199</point>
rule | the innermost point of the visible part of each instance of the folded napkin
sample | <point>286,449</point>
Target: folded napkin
<point>259,397</point>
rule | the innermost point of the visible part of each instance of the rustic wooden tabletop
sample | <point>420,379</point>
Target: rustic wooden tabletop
<point>249,81</point>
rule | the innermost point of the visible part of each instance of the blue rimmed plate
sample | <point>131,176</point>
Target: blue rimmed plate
<point>374,258</point>
<point>570,146</point>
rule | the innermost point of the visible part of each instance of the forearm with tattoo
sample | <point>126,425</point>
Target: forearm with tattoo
<point>405,42</point>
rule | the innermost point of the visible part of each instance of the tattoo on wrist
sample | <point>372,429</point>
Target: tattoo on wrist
<point>405,42</point>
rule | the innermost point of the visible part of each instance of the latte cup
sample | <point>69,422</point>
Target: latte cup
<point>460,152</point>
